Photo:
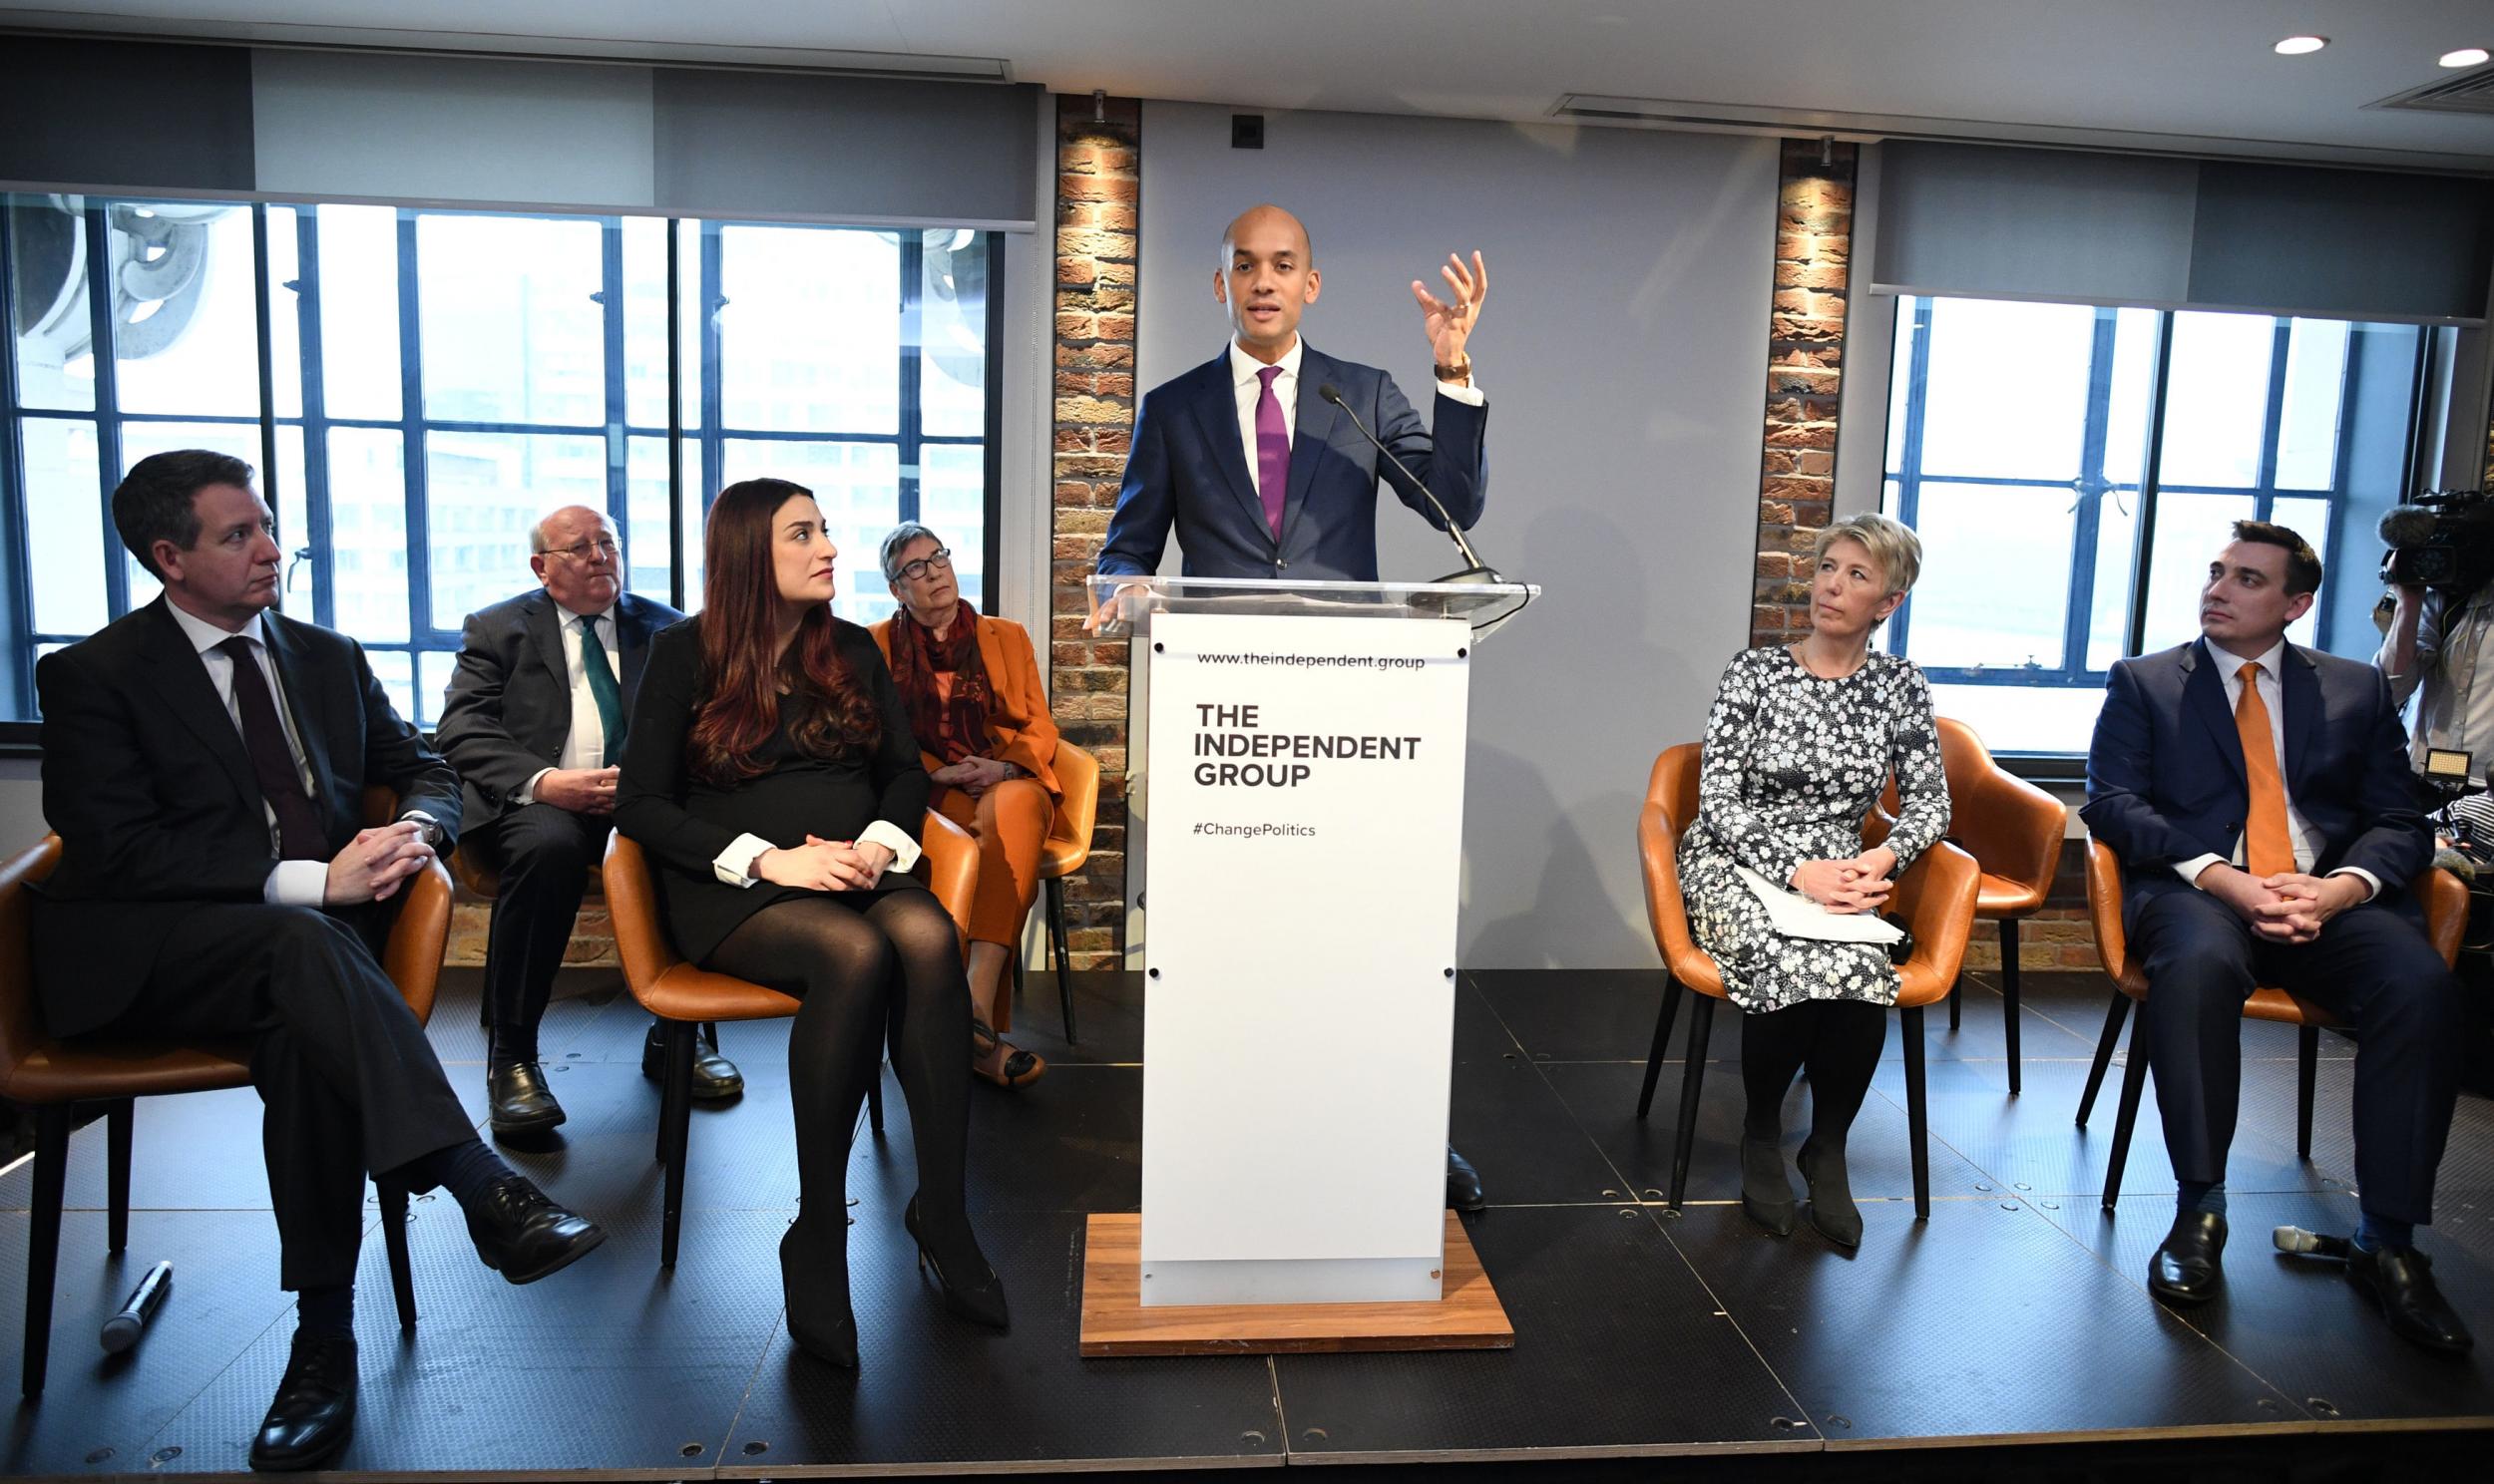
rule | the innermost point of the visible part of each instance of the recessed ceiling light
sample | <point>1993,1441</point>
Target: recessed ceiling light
<point>2466,56</point>
<point>2296,46</point>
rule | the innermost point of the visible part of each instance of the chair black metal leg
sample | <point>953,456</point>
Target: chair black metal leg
<point>1691,1075</point>
<point>874,1102</point>
<point>1917,1112</point>
<point>1662,1034</point>
<point>394,1242</point>
<point>1957,1004</point>
<point>1058,958</point>
<point>2307,1074</point>
<point>42,1240</point>
<point>118,1127</point>
<point>2133,1077</point>
<point>2114,1014</point>
<point>2009,996</point>
<point>675,1133</point>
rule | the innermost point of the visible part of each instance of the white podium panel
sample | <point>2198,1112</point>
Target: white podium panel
<point>1305,837</point>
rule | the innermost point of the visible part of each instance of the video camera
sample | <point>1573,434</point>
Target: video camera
<point>2444,541</point>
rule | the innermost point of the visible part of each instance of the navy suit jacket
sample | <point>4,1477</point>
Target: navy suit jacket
<point>1189,470</point>
<point>2166,781</point>
<point>508,710</point>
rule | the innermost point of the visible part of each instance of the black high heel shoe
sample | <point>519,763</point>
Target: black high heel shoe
<point>828,1338</point>
<point>980,1302</point>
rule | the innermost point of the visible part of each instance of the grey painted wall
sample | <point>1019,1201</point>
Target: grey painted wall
<point>1623,350</point>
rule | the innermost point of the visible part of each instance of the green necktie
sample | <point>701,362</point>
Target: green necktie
<point>601,688</point>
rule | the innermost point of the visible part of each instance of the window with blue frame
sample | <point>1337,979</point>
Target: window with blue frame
<point>2072,469</point>
<point>418,387</point>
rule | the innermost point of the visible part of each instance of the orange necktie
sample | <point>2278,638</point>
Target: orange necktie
<point>2267,850</point>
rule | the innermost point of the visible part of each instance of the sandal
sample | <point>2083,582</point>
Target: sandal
<point>1020,1068</point>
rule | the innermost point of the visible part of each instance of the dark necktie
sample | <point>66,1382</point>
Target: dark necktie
<point>299,837</point>
<point>603,689</point>
<point>1272,450</point>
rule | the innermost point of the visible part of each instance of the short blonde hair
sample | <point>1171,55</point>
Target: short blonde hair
<point>1893,546</point>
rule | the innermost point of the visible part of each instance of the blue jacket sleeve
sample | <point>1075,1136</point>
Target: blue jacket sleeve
<point>1147,505</point>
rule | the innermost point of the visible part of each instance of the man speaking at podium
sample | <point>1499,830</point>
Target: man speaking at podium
<point>1260,459</point>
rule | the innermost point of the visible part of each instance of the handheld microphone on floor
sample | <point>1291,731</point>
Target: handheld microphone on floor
<point>2300,1243</point>
<point>123,1329</point>
<point>1474,569</point>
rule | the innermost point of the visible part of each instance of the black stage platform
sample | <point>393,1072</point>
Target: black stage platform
<point>2015,1319</point>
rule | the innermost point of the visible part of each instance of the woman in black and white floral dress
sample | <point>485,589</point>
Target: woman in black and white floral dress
<point>1801,741</point>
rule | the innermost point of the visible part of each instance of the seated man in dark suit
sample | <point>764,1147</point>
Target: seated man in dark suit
<point>535,724</point>
<point>2258,795</point>
<point>203,761</point>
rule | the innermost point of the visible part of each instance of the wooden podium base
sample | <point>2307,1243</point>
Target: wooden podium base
<point>1114,1321</point>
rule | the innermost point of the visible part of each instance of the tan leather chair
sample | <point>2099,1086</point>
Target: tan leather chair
<point>683,997</point>
<point>2445,901</point>
<point>51,1077</point>
<point>1934,898</point>
<point>1069,847</point>
<point>2014,831</point>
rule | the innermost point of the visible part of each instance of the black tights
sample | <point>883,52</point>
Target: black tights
<point>863,964</point>
<point>1838,1040</point>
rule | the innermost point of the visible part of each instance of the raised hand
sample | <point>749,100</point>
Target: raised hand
<point>1449,322</point>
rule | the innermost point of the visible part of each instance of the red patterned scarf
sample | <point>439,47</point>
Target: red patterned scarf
<point>953,728</point>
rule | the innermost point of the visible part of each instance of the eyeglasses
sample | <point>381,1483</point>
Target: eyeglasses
<point>939,559</point>
<point>603,545</point>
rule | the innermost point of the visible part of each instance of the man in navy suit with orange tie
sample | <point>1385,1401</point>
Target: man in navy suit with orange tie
<point>1262,475</point>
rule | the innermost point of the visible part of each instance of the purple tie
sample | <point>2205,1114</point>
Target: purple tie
<point>1272,450</point>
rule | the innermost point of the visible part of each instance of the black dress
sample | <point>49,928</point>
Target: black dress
<point>685,822</point>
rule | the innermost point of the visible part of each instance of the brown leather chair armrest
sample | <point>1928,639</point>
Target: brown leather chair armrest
<point>1669,810</point>
<point>20,1025</point>
<point>632,909</point>
<point>2104,912</point>
<point>1935,901</point>
<point>1077,809</point>
<point>413,956</point>
<point>948,863</point>
<point>2446,899</point>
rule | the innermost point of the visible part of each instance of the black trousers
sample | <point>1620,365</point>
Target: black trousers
<point>2370,967</point>
<point>347,1081</point>
<point>543,855</point>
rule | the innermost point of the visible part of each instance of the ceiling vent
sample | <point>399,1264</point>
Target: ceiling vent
<point>2468,93</point>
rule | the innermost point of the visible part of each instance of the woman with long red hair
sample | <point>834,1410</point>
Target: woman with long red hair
<point>772,774</point>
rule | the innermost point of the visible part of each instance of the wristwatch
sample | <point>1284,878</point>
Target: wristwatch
<point>1458,371</point>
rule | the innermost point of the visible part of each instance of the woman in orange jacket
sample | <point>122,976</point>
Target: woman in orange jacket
<point>980,711</point>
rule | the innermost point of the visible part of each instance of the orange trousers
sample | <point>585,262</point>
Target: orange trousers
<point>1010,822</point>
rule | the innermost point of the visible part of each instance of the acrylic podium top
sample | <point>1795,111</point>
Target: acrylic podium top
<point>1483,604</point>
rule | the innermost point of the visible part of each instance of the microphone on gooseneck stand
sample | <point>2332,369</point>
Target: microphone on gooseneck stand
<point>1474,569</point>
<point>2300,1243</point>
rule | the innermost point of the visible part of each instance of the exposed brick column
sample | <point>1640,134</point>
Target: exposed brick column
<point>1805,364</point>
<point>1097,186</point>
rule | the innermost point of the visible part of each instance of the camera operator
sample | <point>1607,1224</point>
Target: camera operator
<point>2441,549</point>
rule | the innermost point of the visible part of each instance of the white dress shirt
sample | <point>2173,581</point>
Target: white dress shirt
<point>2454,711</point>
<point>2272,698</point>
<point>1248,388</point>
<point>584,745</point>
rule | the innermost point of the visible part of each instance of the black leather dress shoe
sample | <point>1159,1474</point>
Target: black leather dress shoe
<point>2187,1268</point>
<point>523,1235</point>
<point>714,1076</point>
<point>2402,1283</point>
<point>314,1413</point>
<point>520,1101</point>
<point>1462,1183</point>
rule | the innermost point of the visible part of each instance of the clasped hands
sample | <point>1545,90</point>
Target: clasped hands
<point>375,864</point>
<point>2289,908</point>
<point>1859,884</point>
<point>822,865</point>
<point>973,775</point>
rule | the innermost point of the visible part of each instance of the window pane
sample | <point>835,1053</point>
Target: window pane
<point>2189,531</point>
<point>296,595</point>
<point>2006,396</point>
<point>695,314</point>
<point>2217,401</point>
<point>858,487</point>
<point>433,668</point>
<point>2133,389</point>
<point>65,526</point>
<point>2308,436</point>
<point>1901,381</point>
<point>285,330</point>
<point>1979,600</point>
<point>513,332</point>
<point>359,361</point>
<point>53,345</point>
<point>810,334</point>
<point>186,337</point>
<point>953,502</point>
<point>393,668</point>
<point>644,321</point>
<point>2024,718</point>
<point>2117,554</point>
<point>644,531</point>
<point>368,534</point>
<point>2309,519</point>
<point>953,334</point>
<point>483,491</point>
